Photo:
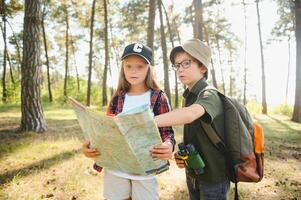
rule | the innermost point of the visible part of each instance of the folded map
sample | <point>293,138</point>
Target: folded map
<point>124,140</point>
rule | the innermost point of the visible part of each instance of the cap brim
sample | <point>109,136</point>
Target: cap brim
<point>137,54</point>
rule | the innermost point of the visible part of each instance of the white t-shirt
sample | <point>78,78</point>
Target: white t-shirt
<point>129,103</point>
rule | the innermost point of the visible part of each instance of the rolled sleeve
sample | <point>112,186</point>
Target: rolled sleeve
<point>212,105</point>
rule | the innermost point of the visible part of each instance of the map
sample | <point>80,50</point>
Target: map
<point>124,140</point>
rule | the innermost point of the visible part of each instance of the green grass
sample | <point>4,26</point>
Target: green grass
<point>37,166</point>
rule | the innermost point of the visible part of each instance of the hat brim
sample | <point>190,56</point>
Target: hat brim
<point>177,49</point>
<point>185,49</point>
<point>136,54</point>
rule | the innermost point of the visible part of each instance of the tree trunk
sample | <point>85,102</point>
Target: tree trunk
<point>32,118</point>
<point>67,54</point>
<point>297,107</point>
<point>10,69</point>
<point>151,25</point>
<point>17,47</point>
<point>245,55</point>
<point>172,45</point>
<point>46,55</point>
<point>176,30</point>
<point>220,63</point>
<point>264,103</point>
<point>198,21</point>
<point>8,59</point>
<point>115,50</point>
<point>90,53</point>
<point>104,86</point>
<point>164,51</point>
<point>4,90</point>
<point>288,68</point>
<point>231,74</point>
<point>212,71</point>
<point>75,65</point>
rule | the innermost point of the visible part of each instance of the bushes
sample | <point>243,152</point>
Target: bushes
<point>283,110</point>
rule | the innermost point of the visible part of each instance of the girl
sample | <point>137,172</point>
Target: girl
<point>136,87</point>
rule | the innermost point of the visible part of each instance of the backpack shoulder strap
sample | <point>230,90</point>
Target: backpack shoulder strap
<point>213,136</point>
<point>209,130</point>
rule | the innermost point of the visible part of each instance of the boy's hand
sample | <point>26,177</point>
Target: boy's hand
<point>179,161</point>
<point>162,151</point>
<point>90,153</point>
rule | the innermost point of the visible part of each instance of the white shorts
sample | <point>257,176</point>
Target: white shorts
<point>119,188</point>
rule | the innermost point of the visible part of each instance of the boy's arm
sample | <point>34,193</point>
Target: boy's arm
<point>180,116</point>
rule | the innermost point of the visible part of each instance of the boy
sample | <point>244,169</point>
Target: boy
<point>191,61</point>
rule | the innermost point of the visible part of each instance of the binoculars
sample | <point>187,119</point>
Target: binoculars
<point>194,162</point>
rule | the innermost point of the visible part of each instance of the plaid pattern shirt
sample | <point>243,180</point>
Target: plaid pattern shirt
<point>159,104</point>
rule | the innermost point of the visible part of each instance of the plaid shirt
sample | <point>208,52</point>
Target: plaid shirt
<point>159,104</point>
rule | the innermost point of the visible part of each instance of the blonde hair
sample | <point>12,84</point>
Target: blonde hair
<point>124,85</point>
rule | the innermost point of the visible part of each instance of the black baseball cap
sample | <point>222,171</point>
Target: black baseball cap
<point>140,50</point>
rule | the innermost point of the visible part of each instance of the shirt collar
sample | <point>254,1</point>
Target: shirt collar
<point>201,84</point>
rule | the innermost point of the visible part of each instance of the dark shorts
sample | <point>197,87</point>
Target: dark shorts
<point>199,190</point>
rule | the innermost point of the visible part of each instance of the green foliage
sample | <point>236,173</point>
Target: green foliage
<point>57,83</point>
<point>13,90</point>
<point>283,109</point>
<point>134,16</point>
<point>254,107</point>
<point>12,7</point>
<point>285,26</point>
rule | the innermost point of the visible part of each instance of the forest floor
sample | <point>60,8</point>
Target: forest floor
<point>50,165</point>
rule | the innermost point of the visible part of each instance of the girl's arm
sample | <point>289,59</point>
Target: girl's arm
<point>164,150</point>
<point>180,116</point>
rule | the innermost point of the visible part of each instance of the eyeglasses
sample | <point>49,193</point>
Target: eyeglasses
<point>185,64</point>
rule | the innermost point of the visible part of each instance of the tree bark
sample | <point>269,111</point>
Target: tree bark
<point>4,90</point>
<point>164,51</point>
<point>105,72</point>
<point>198,21</point>
<point>32,118</point>
<point>90,53</point>
<point>46,56</point>
<point>297,107</point>
<point>264,103</point>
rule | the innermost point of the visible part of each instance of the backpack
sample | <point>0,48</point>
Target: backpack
<point>243,145</point>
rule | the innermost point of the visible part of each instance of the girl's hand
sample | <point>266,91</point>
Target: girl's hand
<point>162,151</point>
<point>179,161</point>
<point>90,153</point>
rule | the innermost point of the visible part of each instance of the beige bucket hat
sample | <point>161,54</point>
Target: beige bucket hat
<point>196,48</point>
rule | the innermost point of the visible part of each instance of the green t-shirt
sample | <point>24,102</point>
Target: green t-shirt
<point>215,163</point>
